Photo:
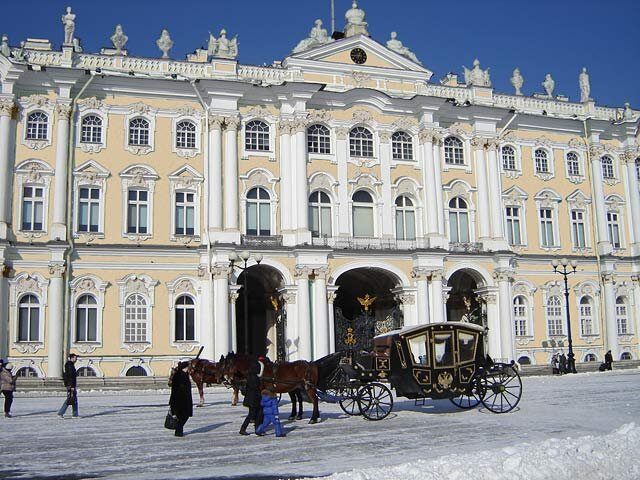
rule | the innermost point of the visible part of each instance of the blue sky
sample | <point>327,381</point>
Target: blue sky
<point>539,37</point>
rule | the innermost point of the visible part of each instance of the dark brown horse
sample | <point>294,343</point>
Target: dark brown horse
<point>205,371</point>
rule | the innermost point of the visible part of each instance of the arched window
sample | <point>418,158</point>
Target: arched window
<point>256,136</point>
<point>453,151</point>
<point>405,219</point>
<point>590,357</point>
<point>185,319</point>
<point>607,167</point>
<point>524,360</point>
<point>626,356</point>
<point>360,142</point>
<point>186,135</point>
<point>136,319</point>
<point>554,316</point>
<point>86,372</point>
<point>320,214</point>
<point>458,221</point>
<point>318,139</point>
<point>573,165</point>
<point>29,319</point>
<point>37,125</point>
<point>258,212</point>
<point>401,146</point>
<point>586,316</point>
<point>508,158</point>
<point>136,372</point>
<point>139,132</point>
<point>91,129</point>
<point>541,161</point>
<point>362,214</point>
<point>27,372</point>
<point>520,316</point>
<point>86,319</point>
<point>622,316</point>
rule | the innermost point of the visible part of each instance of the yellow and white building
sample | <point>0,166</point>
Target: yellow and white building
<point>346,169</point>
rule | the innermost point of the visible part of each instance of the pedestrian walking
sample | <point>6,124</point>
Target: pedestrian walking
<point>181,401</point>
<point>269,404</point>
<point>7,386</point>
<point>608,360</point>
<point>70,376</point>
<point>252,398</point>
<point>562,360</point>
<point>555,364</point>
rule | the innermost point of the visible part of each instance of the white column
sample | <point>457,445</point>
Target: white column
<point>303,318</point>
<point>483,216</point>
<point>388,222</point>
<point>320,315</point>
<point>231,175</point>
<point>342,154</point>
<point>507,337</point>
<point>634,200</point>
<point>331,297</point>
<point>222,336</point>
<point>611,327</point>
<point>494,324</point>
<point>206,318</point>
<point>423,313</point>
<point>437,176</point>
<point>4,314</point>
<point>429,182</point>
<point>215,173</point>
<point>291,330</point>
<point>495,194</point>
<point>603,243</point>
<point>233,297</point>
<point>301,184</point>
<point>635,308</point>
<point>55,324</point>
<point>7,106</point>
<point>437,299</point>
<point>59,227</point>
<point>286,177</point>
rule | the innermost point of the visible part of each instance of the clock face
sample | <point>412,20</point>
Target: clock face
<point>358,56</point>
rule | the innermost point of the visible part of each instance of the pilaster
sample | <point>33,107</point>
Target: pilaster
<point>55,324</point>
<point>7,108</point>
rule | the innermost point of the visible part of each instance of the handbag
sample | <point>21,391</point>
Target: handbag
<point>170,421</point>
<point>71,397</point>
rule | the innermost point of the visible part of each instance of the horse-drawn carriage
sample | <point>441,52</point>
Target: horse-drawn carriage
<point>438,360</point>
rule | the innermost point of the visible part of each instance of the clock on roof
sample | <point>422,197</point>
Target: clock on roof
<point>358,56</point>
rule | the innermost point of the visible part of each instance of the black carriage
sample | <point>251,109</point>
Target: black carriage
<point>438,360</point>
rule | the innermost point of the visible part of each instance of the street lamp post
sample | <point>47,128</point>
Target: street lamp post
<point>567,268</point>
<point>244,256</point>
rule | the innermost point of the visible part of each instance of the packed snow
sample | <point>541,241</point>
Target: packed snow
<point>580,426</point>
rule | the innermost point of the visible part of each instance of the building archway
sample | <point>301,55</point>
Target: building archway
<point>256,333</point>
<point>464,304</point>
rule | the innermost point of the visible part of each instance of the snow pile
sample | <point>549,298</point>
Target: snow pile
<point>613,456</point>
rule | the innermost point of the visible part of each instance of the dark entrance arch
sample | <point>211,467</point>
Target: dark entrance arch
<point>258,336</point>
<point>463,303</point>
<point>367,316</point>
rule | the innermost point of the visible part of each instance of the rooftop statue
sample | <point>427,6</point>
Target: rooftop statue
<point>628,113</point>
<point>119,39</point>
<point>585,88</point>
<point>517,80</point>
<point>396,45</point>
<point>476,76</point>
<point>549,85</point>
<point>4,46</point>
<point>355,21</point>
<point>164,43</point>
<point>317,36</point>
<point>68,20</point>
<point>222,47</point>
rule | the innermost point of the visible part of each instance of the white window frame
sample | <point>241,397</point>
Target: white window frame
<point>143,285</point>
<point>404,210</point>
<point>374,143</point>
<point>138,177</point>
<point>92,106</point>
<point>509,229</point>
<point>258,201</point>
<point>89,175</point>
<point>19,286</point>
<point>608,170</point>
<point>405,143</point>
<point>517,152</point>
<point>614,204</point>
<point>186,180</point>
<point>550,173</point>
<point>186,152</point>
<point>321,206</point>
<point>465,162</point>
<point>372,206</point>
<point>585,316</point>
<point>614,230</point>
<point>622,315</point>
<point>96,287</point>
<point>194,306</point>
<point>561,315</point>
<point>33,200</point>
<point>191,287</point>
<point>526,290</point>
<point>144,112</point>
<point>272,136</point>
<point>331,151</point>
<point>32,104</point>
<point>521,316</point>
<point>577,201</point>
<point>33,173</point>
<point>548,199</point>
<point>572,176</point>
<point>457,211</point>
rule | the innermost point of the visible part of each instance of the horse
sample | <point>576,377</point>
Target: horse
<point>205,371</point>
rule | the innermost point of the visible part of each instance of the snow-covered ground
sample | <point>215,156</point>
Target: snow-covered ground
<point>576,426</point>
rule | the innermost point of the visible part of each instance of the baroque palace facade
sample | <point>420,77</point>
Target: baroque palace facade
<point>358,192</point>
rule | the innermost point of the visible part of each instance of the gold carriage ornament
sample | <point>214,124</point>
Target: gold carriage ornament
<point>366,302</point>
<point>350,338</point>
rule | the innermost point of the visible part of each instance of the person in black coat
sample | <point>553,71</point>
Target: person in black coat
<point>181,402</point>
<point>69,376</point>
<point>252,398</point>
<point>608,360</point>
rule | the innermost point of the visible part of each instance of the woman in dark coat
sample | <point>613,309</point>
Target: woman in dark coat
<point>181,402</point>
<point>252,398</point>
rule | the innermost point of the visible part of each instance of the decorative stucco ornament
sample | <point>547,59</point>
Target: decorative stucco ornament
<point>119,39</point>
<point>548,85</point>
<point>4,46</point>
<point>222,47</point>
<point>317,36</point>
<point>585,88</point>
<point>164,43</point>
<point>355,21</point>
<point>476,76</point>
<point>517,80</point>
<point>396,45</point>
<point>68,20</point>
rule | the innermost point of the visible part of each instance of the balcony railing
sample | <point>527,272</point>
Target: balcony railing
<point>368,243</point>
<point>262,240</point>
<point>470,247</point>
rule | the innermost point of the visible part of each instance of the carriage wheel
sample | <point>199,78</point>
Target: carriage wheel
<point>376,401</point>
<point>470,398</point>
<point>500,388</point>
<point>350,401</point>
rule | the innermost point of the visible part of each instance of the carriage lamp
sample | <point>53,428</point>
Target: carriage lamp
<point>244,256</point>
<point>565,268</point>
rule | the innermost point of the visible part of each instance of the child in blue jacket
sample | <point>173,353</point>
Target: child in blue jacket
<point>269,404</point>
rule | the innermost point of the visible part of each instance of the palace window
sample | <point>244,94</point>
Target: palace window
<point>27,372</point>
<point>554,316</point>
<point>613,229</point>
<point>185,319</point>
<point>256,136</point>
<point>401,146</point>
<point>318,139</point>
<point>638,169</point>
<point>86,319</point>
<point>86,372</point>
<point>139,132</point>
<point>360,142</point>
<point>258,212</point>
<point>186,135</point>
<point>89,209</point>
<point>573,165</point>
<point>458,221</point>
<point>607,167</point>
<point>362,214</point>
<point>136,319</point>
<point>590,357</point>
<point>541,161</point>
<point>520,316</point>
<point>586,316</point>
<point>29,319</point>
<point>37,126</point>
<point>453,151</point>
<point>185,213</point>
<point>513,225</point>
<point>32,209</point>
<point>547,238</point>
<point>622,316</point>
<point>626,356</point>
<point>320,214</point>
<point>138,211</point>
<point>508,158</point>
<point>578,230</point>
<point>405,219</point>
<point>91,129</point>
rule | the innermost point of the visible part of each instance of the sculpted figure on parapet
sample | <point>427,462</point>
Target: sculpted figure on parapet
<point>397,46</point>
<point>476,76</point>
<point>222,47</point>
<point>68,20</point>
<point>317,36</point>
